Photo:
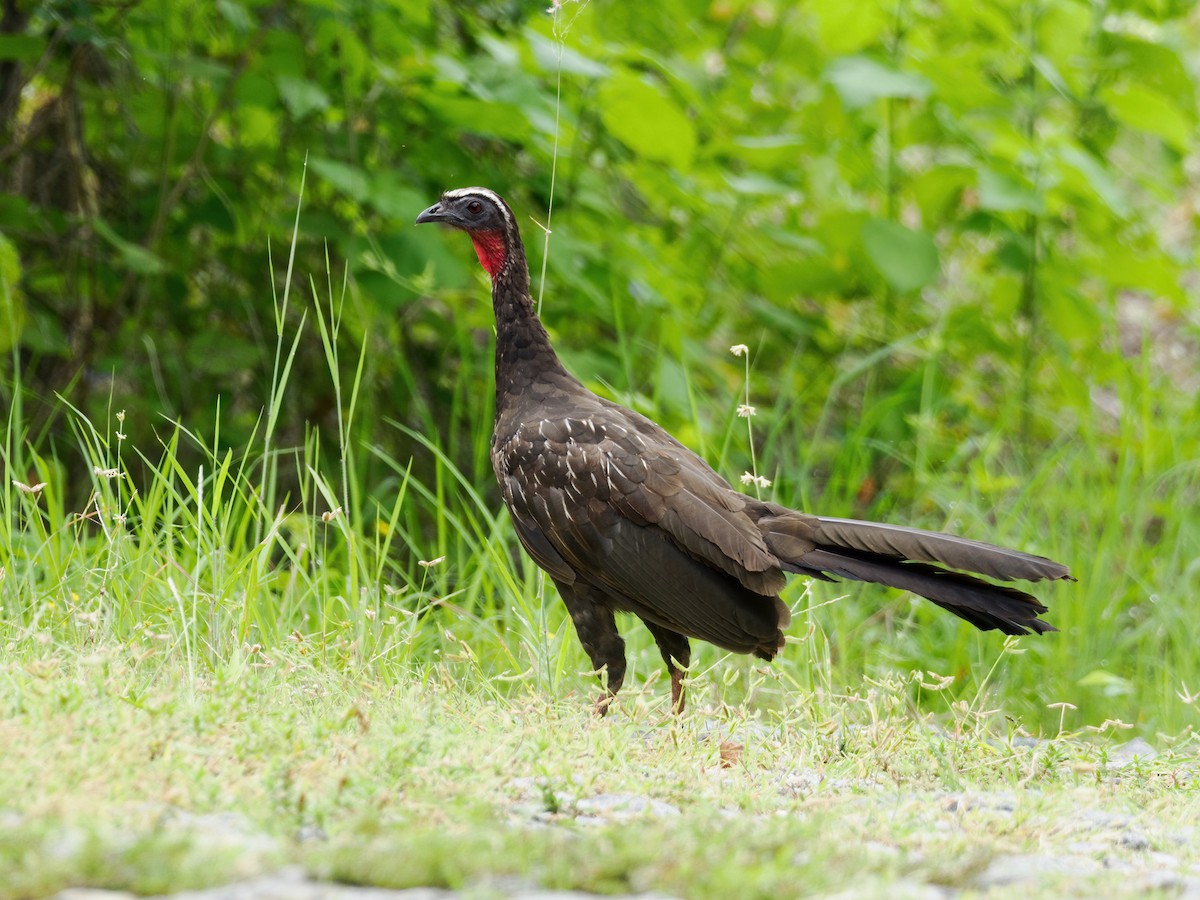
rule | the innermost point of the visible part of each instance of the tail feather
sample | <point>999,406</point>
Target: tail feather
<point>986,606</point>
<point>904,558</point>
<point>899,543</point>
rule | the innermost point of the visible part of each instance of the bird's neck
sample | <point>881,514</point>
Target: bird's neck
<point>523,352</point>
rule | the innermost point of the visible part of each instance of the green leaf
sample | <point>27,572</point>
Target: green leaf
<point>15,212</point>
<point>769,151</point>
<point>938,191</point>
<point>1110,684</point>
<point>787,237</point>
<point>1046,68</point>
<point>345,178</point>
<point>284,53</point>
<point>1120,264</point>
<point>393,197</point>
<point>756,184</point>
<point>847,27</point>
<point>769,141</point>
<point>1063,36</point>
<point>642,117</point>
<point>860,80</point>
<point>486,117</point>
<point>1160,68</point>
<point>907,259</point>
<point>301,96</point>
<point>1015,253</point>
<point>501,51</point>
<point>12,309</point>
<point>1149,111</point>
<point>257,89</point>
<point>450,69</point>
<point>258,126</point>
<point>551,55</point>
<point>236,15</point>
<point>134,256</point>
<point>1000,193</point>
<point>219,354</point>
<point>1074,315</point>
<point>21,47</point>
<point>1096,176</point>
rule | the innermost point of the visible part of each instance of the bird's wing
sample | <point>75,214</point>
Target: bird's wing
<point>699,510</point>
<point>646,519</point>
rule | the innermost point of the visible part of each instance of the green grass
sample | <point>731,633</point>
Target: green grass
<point>118,764</point>
<point>197,563</point>
<point>314,635</point>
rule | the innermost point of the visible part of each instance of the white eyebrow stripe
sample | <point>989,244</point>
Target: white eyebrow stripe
<point>459,193</point>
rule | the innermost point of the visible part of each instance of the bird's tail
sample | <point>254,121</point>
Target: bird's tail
<point>908,559</point>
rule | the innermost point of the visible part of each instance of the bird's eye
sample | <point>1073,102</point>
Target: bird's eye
<point>474,207</point>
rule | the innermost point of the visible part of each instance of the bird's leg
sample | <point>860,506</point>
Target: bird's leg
<point>677,697</point>
<point>677,654</point>
<point>603,702</point>
<point>612,673</point>
<point>597,629</point>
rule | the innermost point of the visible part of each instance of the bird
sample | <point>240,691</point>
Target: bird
<point>624,518</point>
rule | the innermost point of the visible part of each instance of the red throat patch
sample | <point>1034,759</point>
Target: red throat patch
<point>489,247</point>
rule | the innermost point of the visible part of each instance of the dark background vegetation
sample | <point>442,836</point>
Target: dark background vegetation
<point>958,238</point>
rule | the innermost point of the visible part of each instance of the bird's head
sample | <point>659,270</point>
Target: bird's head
<point>486,218</point>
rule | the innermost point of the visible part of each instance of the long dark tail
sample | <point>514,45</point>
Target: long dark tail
<point>903,557</point>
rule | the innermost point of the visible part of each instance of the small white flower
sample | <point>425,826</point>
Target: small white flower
<point>430,563</point>
<point>739,349</point>
<point>34,489</point>
<point>106,473</point>
<point>330,515</point>
<point>745,410</point>
<point>757,480</point>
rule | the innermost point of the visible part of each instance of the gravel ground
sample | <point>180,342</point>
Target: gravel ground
<point>291,884</point>
<point>1098,850</point>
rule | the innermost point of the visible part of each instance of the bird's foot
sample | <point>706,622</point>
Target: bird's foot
<point>677,696</point>
<point>603,702</point>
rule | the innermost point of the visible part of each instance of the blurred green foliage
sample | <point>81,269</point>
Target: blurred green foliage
<point>819,180</point>
<point>849,188</point>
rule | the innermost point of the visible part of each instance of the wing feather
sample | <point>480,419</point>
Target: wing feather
<point>641,520</point>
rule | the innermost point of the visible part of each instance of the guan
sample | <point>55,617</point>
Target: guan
<point>624,518</point>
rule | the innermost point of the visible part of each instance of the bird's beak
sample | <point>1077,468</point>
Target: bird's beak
<point>435,213</point>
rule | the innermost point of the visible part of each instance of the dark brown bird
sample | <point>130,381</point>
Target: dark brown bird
<point>624,518</point>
